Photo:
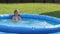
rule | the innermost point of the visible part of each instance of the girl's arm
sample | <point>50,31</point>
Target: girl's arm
<point>19,18</point>
<point>13,18</point>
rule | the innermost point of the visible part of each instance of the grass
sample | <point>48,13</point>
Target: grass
<point>50,9</point>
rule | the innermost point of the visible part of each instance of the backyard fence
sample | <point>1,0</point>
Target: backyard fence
<point>26,1</point>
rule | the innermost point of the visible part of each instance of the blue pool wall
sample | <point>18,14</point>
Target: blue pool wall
<point>39,17</point>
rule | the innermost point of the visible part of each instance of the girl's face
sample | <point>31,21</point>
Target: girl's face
<point>16,13</point>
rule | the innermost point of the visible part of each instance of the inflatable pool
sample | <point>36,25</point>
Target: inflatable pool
<point>31,24</point>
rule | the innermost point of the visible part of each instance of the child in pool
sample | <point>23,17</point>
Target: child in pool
<point>16,16</point>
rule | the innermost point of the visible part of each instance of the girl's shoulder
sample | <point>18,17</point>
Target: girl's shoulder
<point>13,16</point>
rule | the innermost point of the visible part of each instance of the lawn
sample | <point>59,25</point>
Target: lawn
<point>50,9</point>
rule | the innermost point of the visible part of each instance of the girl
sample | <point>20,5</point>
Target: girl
<point>16,16</point>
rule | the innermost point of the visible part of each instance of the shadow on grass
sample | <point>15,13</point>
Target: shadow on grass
<point>53,13</point>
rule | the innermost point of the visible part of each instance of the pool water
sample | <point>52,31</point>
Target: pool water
<point>26,22</point>
<point>18,33</point>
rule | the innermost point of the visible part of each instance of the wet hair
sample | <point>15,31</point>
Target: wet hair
<point>16,11</point>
